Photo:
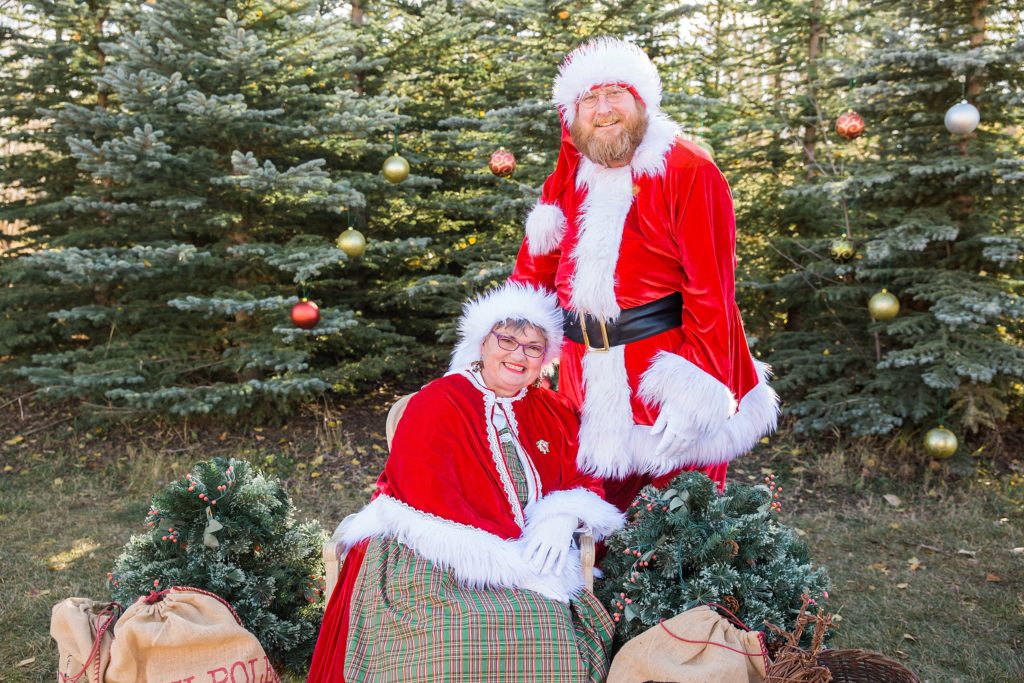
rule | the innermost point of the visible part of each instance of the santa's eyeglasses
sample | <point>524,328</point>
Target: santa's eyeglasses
<point>510,344</point>
<point>613,94</point>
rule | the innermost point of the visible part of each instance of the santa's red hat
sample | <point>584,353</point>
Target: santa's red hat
<point>605,61</point>
<point>596,63</point>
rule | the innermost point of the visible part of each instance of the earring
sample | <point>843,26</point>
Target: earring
<point>476,366</point>
<point>538,383</point>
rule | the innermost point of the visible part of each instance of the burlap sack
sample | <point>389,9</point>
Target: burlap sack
<point>185,635</point>
<point>716,656</point>
<point>83,630</point>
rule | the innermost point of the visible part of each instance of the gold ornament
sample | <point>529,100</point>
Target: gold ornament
<point>841,249</point>
<point>884,306</point>
<point>940,442</point>
<point>563,14</point>
<point>396,168</point>
<point>352,242</point>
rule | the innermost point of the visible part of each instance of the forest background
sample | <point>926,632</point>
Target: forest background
<point>175,175</point>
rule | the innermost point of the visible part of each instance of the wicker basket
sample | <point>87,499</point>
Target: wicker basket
<point>864,666</point>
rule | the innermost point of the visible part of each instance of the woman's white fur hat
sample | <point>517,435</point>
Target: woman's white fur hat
<point>511,301</point>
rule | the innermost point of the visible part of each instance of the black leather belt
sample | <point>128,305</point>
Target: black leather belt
<point>633,324</point>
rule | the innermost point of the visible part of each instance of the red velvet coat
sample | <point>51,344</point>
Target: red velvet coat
<point>445,492</point>
<point>609,239</point>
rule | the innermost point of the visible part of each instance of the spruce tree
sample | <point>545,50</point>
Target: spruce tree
<point>51,55</point>
<point>935,220</point>
<point>230,530</point>
<point>214,172</point>
<point>688,545</point>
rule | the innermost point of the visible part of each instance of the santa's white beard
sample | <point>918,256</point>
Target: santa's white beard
<point>609,151</point>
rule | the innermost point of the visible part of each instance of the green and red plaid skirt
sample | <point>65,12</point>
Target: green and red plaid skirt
<point>411,621</point>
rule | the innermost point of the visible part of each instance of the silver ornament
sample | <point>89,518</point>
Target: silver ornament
<point>962,118</point>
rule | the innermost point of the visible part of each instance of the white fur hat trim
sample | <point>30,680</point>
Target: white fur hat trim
<point>511,301</point>
<point>605,60</point>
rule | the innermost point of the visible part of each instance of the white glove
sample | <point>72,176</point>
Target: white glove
<point>679,431</point>
<point>547,543</point>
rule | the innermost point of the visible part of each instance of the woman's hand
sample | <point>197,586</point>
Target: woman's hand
<point>547,543</point>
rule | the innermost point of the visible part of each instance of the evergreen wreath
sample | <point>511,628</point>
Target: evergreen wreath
<point>687,545</point>
<point>232,531</point>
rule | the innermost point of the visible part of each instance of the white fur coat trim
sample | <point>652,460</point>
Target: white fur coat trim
<point>605,60</point>
<point>510,301</point>
<point>672,380</point>
<point>545,227</point>
<point>755,417</point>
<point>477,558</point>
<point>602,517</point>
<point>609,195</point>
<point>607,418</point>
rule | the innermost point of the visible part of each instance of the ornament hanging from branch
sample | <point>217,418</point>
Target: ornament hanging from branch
<point>940,442</point>
<point>396,168</point>
<point>352,242</point>
<point>841,249</point>
<point>883,306</point>
<point>962,118</point>
<point>502,163</point>
<point>305,314</point>
<point>849,125</point>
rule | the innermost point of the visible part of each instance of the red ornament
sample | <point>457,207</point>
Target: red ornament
<point>305,314</point>
<point>850,125</point>
<point>502,163</point>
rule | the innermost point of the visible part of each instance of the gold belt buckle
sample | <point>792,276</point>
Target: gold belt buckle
<point>586,339</point>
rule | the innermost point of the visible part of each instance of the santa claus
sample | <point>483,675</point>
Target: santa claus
<point>635,232</point>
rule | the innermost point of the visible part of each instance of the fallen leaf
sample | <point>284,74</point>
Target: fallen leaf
<point>15,440</point>
<point>880,567</point>
<point>932,548</point>
<point>915,564</point>
<point>993,578</point>
<point>26,662</point>
<point>1017,551</point>
<point>892,500</point>
<point>969,553</point>
<point>907,636</point>
<point>901,654</point>
<point>901,586</point>
<point>317,461</point>
<point>222,436</point>
<point>8,468</point>
<point>799,531</point>
<point>767,470</point>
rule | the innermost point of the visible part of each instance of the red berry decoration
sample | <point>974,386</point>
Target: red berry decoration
<point>502,163</point>
<point>850,125</point>
<point>305,314</point>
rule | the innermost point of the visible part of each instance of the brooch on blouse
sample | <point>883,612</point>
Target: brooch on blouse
<point>543,446</point>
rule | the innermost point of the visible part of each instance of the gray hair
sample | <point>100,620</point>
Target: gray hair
<point>519,325</point>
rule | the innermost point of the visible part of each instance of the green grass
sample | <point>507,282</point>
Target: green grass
<point>70,499</point>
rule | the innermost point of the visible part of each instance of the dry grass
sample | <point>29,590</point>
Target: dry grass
<point>69,499</point>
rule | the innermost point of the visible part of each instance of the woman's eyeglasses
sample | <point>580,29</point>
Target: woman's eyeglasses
<point>510,344</point>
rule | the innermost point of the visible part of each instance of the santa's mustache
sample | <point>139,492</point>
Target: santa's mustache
<point>606,121</point>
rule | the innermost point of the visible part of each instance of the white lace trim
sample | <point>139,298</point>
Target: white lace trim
<point>490,401</point>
